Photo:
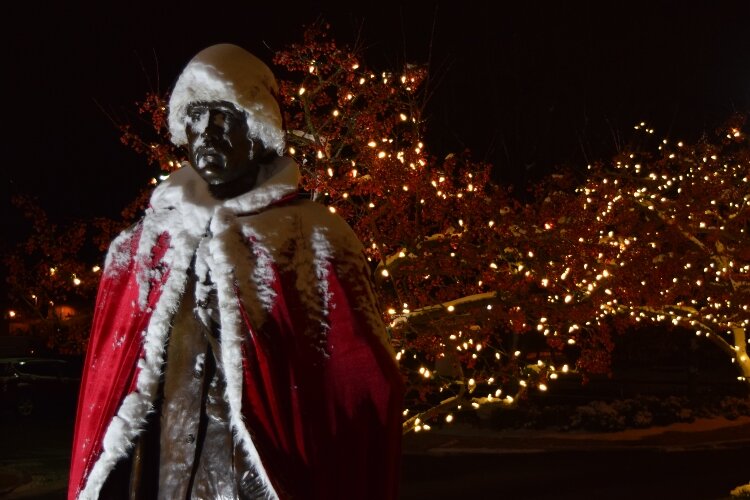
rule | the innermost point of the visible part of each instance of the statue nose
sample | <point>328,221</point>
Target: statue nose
<point>211,131</point>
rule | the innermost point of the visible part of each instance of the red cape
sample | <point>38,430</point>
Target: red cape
<point>320,393</point>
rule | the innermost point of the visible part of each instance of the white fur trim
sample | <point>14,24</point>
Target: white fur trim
<point>185,191</point>
<point>131,416</point>
<point>221,263</point>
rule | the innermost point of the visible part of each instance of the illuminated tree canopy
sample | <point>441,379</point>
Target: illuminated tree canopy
<point>486,296</point>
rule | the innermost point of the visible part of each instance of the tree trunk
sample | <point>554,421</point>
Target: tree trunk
<point>741,356</point>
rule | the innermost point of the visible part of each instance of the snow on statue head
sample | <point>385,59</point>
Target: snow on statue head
<point>226,72</point>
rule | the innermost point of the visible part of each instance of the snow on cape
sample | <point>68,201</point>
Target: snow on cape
<point>237,242</point>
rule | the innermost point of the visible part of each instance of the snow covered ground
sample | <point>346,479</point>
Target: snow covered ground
<point>703,432</point>
<point>39,471</point>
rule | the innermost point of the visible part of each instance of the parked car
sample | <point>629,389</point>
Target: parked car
<point>30,385</point>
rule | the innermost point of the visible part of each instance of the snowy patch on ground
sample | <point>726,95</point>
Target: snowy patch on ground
<point>699,425</point>
<point>715,432</point>
<point>32,479</point>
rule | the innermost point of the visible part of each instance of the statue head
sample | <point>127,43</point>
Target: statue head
<point>221,149</point>
<point>224,109</point>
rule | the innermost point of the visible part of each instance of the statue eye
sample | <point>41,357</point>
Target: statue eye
<point>231,114</point>
<point>228,117</point>
<point>195,113</point>
<point>220,119</point>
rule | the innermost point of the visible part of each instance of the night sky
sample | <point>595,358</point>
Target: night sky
<point>526,88</point>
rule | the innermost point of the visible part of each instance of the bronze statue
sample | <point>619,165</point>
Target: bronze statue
<point>237,350</point>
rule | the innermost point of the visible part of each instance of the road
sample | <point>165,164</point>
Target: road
<point>40,449</point>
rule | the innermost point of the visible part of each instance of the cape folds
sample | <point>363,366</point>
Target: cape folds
<point>313,391</point>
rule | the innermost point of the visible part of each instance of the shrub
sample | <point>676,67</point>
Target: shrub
<point>639,412</point>
<point>733,407</point>
<point>597,416</point>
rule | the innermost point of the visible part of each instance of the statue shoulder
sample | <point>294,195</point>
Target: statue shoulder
<point>123,249</point>
<point>325,226</point>
<point>302,219</point>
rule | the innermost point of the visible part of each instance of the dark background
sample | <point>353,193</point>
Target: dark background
<point>525,87</point>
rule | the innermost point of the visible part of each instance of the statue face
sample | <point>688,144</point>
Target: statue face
<point>219,148</point>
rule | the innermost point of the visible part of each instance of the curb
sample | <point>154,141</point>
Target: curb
<point>583,448</point>
<point>731,435</point>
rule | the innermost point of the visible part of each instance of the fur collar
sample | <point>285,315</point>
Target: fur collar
<point>188,194</point>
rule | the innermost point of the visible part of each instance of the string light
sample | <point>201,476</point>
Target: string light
<point>627,215</point>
